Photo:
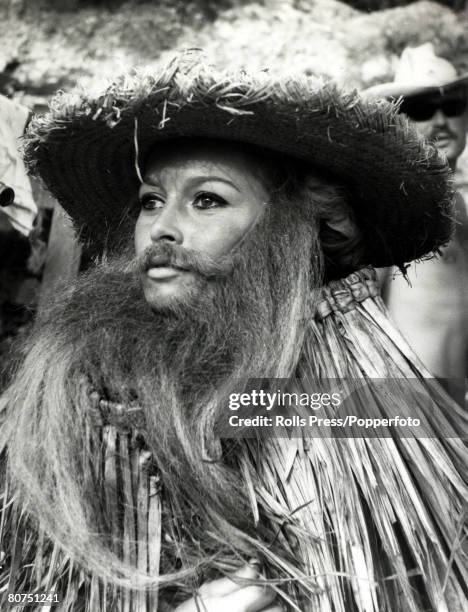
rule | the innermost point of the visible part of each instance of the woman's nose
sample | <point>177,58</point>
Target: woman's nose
<point>167,226</point>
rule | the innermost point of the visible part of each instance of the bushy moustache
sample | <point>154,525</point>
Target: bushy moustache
<point>176,256</point>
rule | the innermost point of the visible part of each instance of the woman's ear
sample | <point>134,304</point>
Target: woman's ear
<point>339,233</point>
<point>343,224</point>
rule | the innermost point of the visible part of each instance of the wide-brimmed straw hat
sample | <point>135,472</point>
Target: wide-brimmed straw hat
<point>420,71</point>
<point>84,148</point>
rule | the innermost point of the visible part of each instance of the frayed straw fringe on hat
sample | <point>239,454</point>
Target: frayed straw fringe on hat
<point>84,148</point>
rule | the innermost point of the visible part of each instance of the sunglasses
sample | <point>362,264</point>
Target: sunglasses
<point>424,109</point>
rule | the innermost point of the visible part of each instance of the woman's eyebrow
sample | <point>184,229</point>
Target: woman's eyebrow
<point>198,180</point>
<point>150,182</point>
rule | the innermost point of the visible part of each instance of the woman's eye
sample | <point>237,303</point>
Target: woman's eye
<point>150,201</point>
<point>205,201</point>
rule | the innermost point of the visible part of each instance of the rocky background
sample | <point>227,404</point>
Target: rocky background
<point>51,44</point>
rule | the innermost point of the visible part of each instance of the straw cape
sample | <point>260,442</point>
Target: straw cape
<point>84,149</point>
<point>365,524</point>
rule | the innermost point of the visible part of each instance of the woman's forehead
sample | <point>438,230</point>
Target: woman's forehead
<point>187,157</point>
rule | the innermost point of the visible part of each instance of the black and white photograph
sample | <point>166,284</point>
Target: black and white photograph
<point>233,306</point>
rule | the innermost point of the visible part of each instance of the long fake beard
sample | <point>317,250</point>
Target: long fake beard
<point>101,337</point>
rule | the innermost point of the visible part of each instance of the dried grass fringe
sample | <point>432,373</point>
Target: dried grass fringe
<point>353,511</point>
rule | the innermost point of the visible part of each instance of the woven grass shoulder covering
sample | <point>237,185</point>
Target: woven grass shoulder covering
<point>366,523</point>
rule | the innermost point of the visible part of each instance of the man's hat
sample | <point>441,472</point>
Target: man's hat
<point>420,71</point>
<point>85,148</point>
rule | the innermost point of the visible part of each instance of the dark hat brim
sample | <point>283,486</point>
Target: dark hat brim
<point>84,149</point>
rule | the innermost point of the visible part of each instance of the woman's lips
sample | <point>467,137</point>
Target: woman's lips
<point>163,272</point>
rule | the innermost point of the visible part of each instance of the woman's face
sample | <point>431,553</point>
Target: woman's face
<point>204,196</point>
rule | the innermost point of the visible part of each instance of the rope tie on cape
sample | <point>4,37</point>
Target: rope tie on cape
<point>345,294</point>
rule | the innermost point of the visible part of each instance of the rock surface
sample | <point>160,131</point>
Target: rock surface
<point>45,49</point>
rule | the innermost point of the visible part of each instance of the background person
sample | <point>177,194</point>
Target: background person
<point>432,309</point>
<point>16,222</point>
<point>21,214</point>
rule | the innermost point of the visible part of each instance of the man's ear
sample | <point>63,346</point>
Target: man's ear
<point>465,118</point>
